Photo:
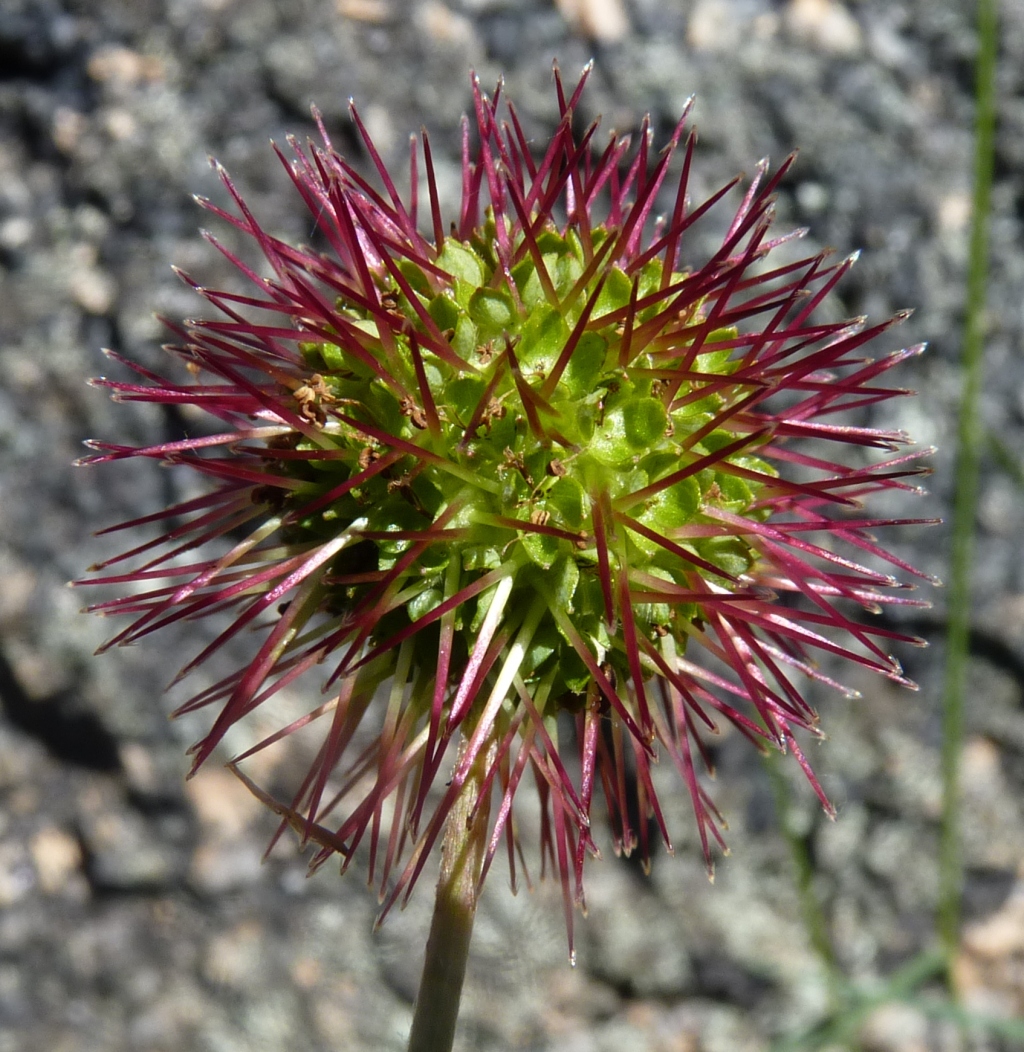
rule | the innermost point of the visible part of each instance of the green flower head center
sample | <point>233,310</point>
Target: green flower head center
<point>558,453</point>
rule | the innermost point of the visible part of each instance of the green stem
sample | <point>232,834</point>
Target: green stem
<point>841,1029</point>
<point>969,448</point>
<point>815,922</point>
<point>1006,460</point>
<point>444,967</point>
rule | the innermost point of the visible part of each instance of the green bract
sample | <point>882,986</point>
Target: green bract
<point>525,470</point>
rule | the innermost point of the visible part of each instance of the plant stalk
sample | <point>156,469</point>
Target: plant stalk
<point>451,928</point>
<point>968,462</point>
<point>815,922</point>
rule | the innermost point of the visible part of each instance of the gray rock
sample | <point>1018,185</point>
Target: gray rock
<point>166,934</point>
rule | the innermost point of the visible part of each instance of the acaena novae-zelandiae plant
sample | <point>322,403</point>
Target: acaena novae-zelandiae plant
<point>539,497</point>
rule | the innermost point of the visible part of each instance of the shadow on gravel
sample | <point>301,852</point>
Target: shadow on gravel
<point>69,732</point>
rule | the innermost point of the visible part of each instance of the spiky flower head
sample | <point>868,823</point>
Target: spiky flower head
<point>531,483</point>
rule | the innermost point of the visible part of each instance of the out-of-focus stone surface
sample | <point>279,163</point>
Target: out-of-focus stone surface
<point>135,913</point>
<point>990,969</point>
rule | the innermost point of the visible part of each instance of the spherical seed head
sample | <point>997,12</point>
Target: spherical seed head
<point>537,471</point>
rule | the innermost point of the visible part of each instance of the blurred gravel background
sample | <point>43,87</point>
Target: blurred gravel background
<point>134,913</point>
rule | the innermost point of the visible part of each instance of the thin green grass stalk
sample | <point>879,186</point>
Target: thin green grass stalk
<point>1011,1030</point>
<point>970,441</point>
<point>1005,459</point>
<point>841,1029</point>
<point>814,920</point>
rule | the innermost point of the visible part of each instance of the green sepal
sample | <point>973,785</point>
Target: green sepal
<point>727,553</point>
<point>719,439</point>
<point>567,272</point>
<point>588,599</point>
<point>566,499</point>
<point>654,613</point>
<point>493,312</point>
<point>416,278</point>
<point>629,428</point>
<point>573,676</point>
<point>384,409</point>
<point>312,355</point>
<point>543,337</point>
<point>752,463</point>
<point>427,493</point>
<point>333,357</point>
<point>644,422</point>
<point>563,582</point>
<point>435,558</point>
<point>585,364</point>
<point>480,557</point>
<point>483,603</point>
<point>501,432</point>
<point>461,262</point>
<point>465,343</point>
<point>528,283</point>
<point>444,310</point>
<point>614,295</point>
<point>542,548</point>
<point>717,363</point>
<point>735,492</point>
<point>463,396</point>
<point>551,243</point>
<point>392,514</point>
<point>674,506</point>
<point>545,642</point>
<point>422,604</point>
<point>650,280</point>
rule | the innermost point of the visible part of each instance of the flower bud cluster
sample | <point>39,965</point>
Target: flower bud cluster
<point>537,485</point>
